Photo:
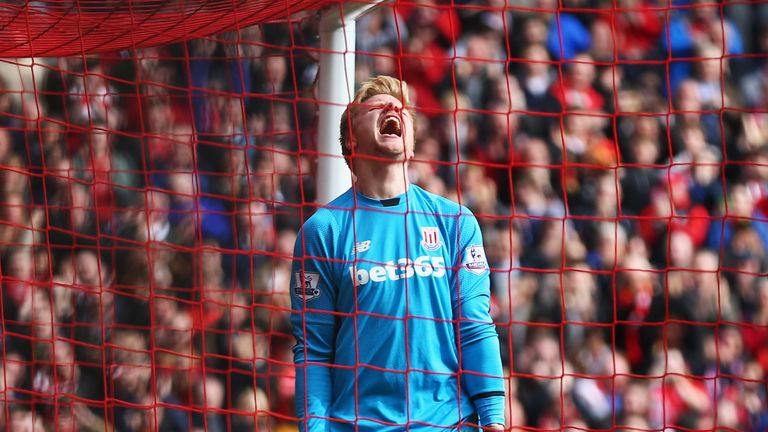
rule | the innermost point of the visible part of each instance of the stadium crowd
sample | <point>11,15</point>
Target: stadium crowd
<point>617,161</point>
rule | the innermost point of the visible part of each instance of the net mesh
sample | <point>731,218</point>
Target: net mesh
<point>157,159</point>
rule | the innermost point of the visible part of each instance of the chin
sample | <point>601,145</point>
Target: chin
<point>391,146</point>
<point>391,153</point>
<point>389,156</point>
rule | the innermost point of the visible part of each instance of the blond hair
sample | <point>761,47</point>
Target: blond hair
<point>381,84</point>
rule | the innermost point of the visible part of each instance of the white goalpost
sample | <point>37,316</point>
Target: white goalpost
<point>336,87</point>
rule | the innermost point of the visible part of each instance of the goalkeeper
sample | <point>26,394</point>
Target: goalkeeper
<point>390,293</point>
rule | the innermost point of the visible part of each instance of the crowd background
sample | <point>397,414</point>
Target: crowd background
<point>617,161</point>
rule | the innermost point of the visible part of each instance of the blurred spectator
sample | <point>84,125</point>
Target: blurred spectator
<point>639,177</point>
<point>377,29</point>
<point>714,80</point>
<point>512,289</point>
<point>478,191</point>
<point>90,319</point>
<point>25,421</point>
<point>6,146</point>
<point>755,123</point>
<point>606,256</point>
<point>635,403</point>
<point>535,204</point>
<point>713,299</point>
<point>496,147</point>
<point>18,280</point>
<point>691,28</point>
<point>131,375</point>
<point>425,63</point>
<point>92,98</point>
<point>741,212</point>
<point>479,63</point>
<point>705,180</point>
<point>596,394</point>
<point>567,36</point>
<point>753,86</point>
<point>12,376</point>
<point>637,28</point>
<point>64,380</point>
<point>755,335</point>
<point>18,223</point>
<point>677,399</point>
<point>504,250</point>
<point>14,176</point>
<point>255,228</point>
<point>536,77</point>
<point>753,400</point>
<point>576,90</point>
<point>254,406</point>
<point>599,198</point>
<point>455,126</point>
<point>579,304</point>
<point>637,285</point>
<point>542,372</point>
<point>671,209</point>
<point>515,414</point>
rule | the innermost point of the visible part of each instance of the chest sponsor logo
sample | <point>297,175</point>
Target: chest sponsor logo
<point>430,239</point>
<point>307,287</point>
<point>403,268</point>
<point>474,259</point>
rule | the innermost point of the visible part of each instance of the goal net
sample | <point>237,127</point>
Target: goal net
<point>158,158</point>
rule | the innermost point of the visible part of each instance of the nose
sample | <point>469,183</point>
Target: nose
<point>390,106</point>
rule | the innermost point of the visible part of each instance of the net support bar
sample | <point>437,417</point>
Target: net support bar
<point>335,90</point>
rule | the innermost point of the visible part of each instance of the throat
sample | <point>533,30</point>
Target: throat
<point>381,181</point>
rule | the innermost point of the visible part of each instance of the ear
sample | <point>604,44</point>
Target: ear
<point>351,143</point>
<point>348,150</point>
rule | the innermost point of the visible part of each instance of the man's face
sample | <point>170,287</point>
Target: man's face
<point>87,268</point>
<point>383,129</point>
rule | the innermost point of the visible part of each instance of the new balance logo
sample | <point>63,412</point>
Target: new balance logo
<point>361,247</point>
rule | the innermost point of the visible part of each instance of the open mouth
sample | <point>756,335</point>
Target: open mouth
<point>391,126</point>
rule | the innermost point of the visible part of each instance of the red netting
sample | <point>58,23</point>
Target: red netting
<point>82,27</point>
<point>157,159</point>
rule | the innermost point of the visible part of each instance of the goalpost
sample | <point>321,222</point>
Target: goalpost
<point>337,60</point>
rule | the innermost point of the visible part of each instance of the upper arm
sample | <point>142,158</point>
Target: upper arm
<point>472,272</point>
<point>313,292</point>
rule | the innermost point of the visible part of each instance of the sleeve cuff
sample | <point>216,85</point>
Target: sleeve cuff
<point>490,408</point>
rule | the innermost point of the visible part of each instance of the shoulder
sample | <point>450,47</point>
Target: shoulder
<point>437,204</point>
<point>454,216</point>
<point>327,218</point>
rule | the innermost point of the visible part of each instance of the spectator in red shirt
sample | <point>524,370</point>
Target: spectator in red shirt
<point>671,209</point>
<point>636,28</point>
<point>755,333</point>
<point>678,399</point>
<point>576,90</point>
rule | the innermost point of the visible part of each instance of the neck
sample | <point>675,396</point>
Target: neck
<point>381,180</point>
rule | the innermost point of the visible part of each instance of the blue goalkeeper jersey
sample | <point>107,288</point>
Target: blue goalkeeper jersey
<point>391,316</point>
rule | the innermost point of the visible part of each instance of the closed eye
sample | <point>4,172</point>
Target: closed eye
<point>402,110</point>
